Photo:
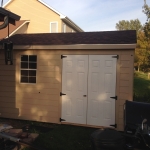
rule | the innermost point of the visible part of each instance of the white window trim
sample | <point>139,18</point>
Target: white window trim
<point>56,26</point>
<point>26,69</point>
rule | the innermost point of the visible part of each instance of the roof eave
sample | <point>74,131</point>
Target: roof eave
<point>71,23</point>
<point>11,15</point>
<point>13,32</point>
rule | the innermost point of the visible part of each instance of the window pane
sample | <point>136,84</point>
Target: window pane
<point>32,58</point>
<point>24,73</point>
<point>24,57</point>
<point>32,79</point>
<point>53,27</point>
<point>32,65</point>
<point>24,65</point>
<point>24,79</point>
<point>32,72</point>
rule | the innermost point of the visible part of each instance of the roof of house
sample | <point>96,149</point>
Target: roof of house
<point>105,37</point>
<point>63,17</point>
<point>12,16</point>
<point>12,28</point>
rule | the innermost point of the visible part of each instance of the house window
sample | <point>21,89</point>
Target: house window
<point>64,27</point>
<point>53,27</point>
<point>28,67</point>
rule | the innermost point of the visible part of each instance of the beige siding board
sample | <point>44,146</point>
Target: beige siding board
<point>36,108</point>
<point>8,67</point>
<point>8,94</point>
<point>7,78</point>
<point>9,110</point>
<point>47,74</point>
<point>40,113</point>
<point>121,115</point>
<point>123,96</point>
<point>124,70</point>
<point>7,84</point>
<point>39,102</point>
<point>125,57</point>
<point>9,115</point>
<point>124,83</point>
<point>7,99</point>
<point>8,89</point>
<point>125,64</point>
<point>40,96</point>
<point>6,104</point>
<point>47,80</point>
<point>45,55</point>
<point>122,102</point>
<point>124,90</point>
<point>48,68</point>
<point>124,76</point>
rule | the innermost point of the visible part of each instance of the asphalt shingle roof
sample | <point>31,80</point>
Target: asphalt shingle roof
<point>105,37</point>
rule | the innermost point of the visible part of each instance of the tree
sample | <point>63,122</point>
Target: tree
<point>146,10</point>
<point>129,25</point>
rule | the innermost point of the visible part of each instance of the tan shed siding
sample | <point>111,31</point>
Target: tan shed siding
<point>125,83</point>
<point>8,88</point>
<point>41,101</point>
<point>38,10</point>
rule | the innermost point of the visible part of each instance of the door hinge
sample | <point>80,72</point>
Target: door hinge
<point>62,56</point>
<point>60,119</point>
<point>61,94</point>
<point>114,125</point>
<point>117,56</point>
<point>115,97</point>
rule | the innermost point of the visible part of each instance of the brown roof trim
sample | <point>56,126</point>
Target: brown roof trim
<point>106,37</point>
<point>12,28</point>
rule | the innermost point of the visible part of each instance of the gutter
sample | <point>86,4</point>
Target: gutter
<point>71,23</point>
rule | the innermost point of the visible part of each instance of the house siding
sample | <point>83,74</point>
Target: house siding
<point>42,101</point>
<point>39,15</point>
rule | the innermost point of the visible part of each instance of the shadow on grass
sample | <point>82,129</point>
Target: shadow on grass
<point>64,137</point>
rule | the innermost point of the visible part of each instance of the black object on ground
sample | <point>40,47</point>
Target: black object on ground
<point>30,128</point>
<point>107,139</point>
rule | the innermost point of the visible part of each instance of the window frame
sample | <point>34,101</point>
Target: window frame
<point>56,26</point>
<point>29,70</point>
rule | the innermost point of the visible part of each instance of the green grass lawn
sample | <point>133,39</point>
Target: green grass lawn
<point>141,87</point>
<point>66,137</point>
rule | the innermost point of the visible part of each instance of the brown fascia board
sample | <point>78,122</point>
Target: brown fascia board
<point>72,24</point>
<point>12,16</point>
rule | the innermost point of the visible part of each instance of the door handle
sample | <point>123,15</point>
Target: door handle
<point>84,95</point>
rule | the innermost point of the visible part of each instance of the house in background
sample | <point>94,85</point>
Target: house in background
<point>38,17</point>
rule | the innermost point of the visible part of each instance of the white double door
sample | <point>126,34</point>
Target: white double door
<point>88,82</point>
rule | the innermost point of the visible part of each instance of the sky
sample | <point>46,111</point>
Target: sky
<point>99,15</point>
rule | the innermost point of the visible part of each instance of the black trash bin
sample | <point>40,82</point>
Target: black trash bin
<point>107,139</point>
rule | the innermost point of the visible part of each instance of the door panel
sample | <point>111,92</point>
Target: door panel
<point>89,82</point>
<point>74,85</point>
<point>101,86</point>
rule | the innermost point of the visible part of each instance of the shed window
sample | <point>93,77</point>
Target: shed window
<point>53,27</point>
<point>28,67</point>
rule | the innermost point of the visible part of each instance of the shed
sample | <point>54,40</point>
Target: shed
<point>74,78</point>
